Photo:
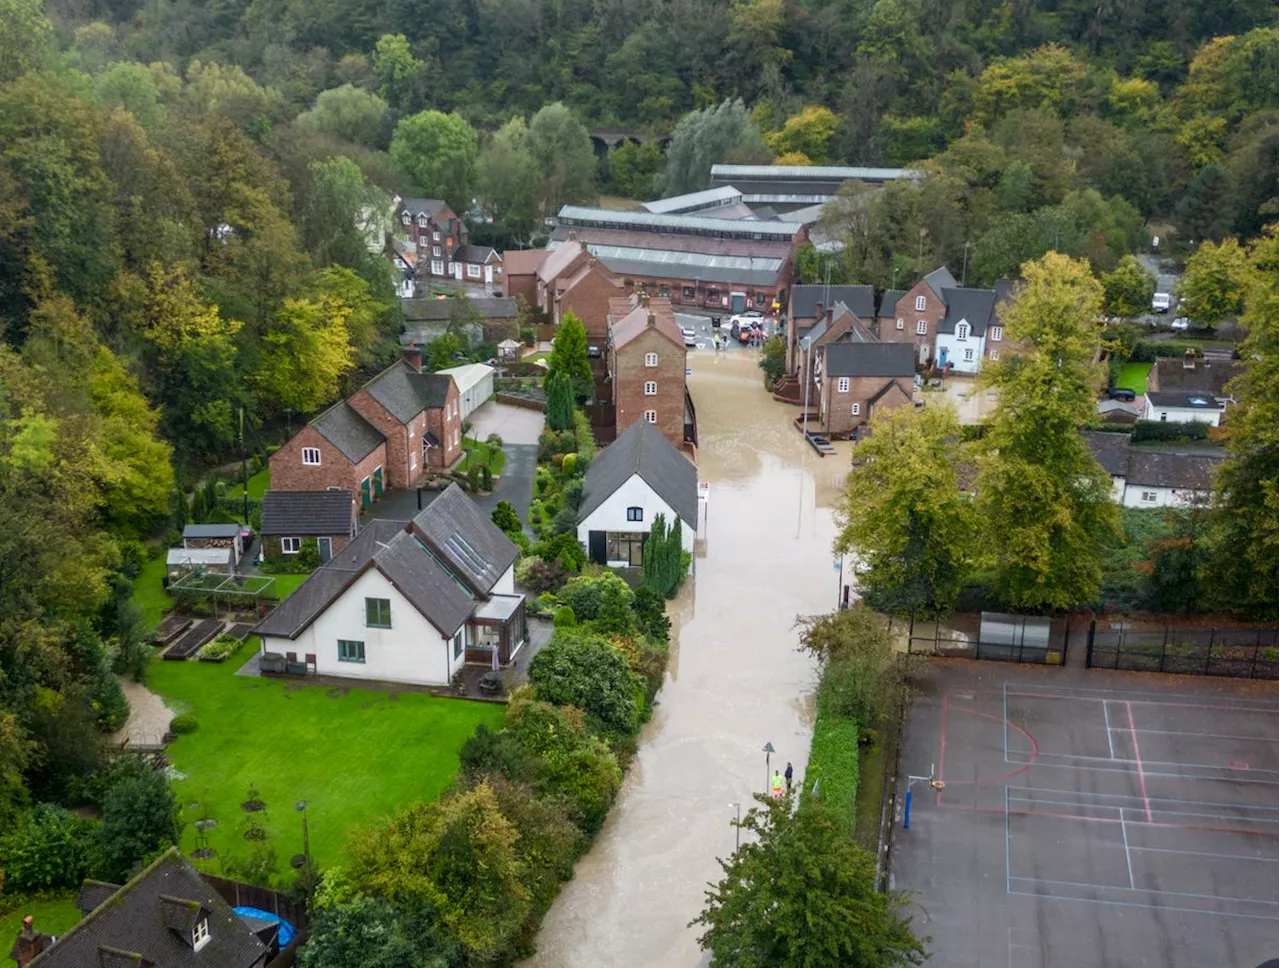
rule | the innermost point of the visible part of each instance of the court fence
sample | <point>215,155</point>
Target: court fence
<point>1242,653</point>
<point>994,636</point>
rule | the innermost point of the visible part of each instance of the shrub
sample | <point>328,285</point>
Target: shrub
<point>583,670</point>
<point>493,440</point>
<point>520,539</point>
<point>651,611</point>
<point>505,517</point>
<point>565,619</point>
<point>486,478</point>
<point>488,752</point>
<point>1149,430</point>
<point>308,557</point>
<point>183,723</point>
<point>540,576</point>
<point>220,648</point>
<point>44,851</point>
<point>562,548</point>
<point>569,465</point>
<point>139,819</point>
<point>473,477</point>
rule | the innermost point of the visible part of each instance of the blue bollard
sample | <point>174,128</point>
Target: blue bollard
<point>906,812</point>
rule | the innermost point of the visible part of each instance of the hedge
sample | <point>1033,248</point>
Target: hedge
<point>1149,430</point>
<point>833,763</point>
<point>1148,351</point>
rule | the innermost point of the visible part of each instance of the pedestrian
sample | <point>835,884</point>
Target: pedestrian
<point>788,776</point>
<point>776,788</point>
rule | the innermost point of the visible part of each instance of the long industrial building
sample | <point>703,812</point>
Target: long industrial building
<point>785,188</point>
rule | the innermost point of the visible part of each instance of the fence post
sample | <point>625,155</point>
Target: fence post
<point>1120,636</point>
<point>1164,646</point>
<point>1257,647</point>
<point>1088,649</point>
<point>1208,653</point>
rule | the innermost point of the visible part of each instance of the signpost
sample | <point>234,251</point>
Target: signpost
<point>768,751</point>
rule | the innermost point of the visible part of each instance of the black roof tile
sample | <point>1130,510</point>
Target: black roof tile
<point>642,449</point>
<point>307,512</point>
<point>354,436</point>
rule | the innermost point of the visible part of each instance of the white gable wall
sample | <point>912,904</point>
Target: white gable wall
<point>1182,414</point>
<point>634,492</point>
<point>956,349</point>
<point>1151,496</point>
<point>412,650</point>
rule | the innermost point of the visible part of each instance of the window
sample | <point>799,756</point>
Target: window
<point>625,546</point>
<point>922,328</point>
<point>459,642</point>
<point>920,304</point>
<point>651,359</point>
<point>437,267</point>
<point>377,613</point>
<point>650,388</point>
<point>962,331</point>
<point>857,409</point>
<point>968,356</point>
<point>413,461</point>
<point>290,546</point>
<point>1149,497</point>
<point>435,236</point>
<point>406,218</point>
<point>311,456</point>
<point>688,293</point>
<point>651,416</point>
<point>473,271</point>
<point>1164,415</point>
<point>997,333</point>
<point>349,651</point>
<point>200,934</point>
<point>842,385</point>
<point>635,514</point>
<point>995,355</point>
<point>900,323</point>
<point>713,295</point>
<point>760,298</point>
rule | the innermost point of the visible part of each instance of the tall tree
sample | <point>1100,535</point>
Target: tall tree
<point>562,148</point>
<point>510,181</point>
<point>401,74</point>
<point>559,389</point>
<point>1212,287</point>
<point>1044,501</point>
<point>569,356</point>
<point>306,353</point>
<point>346,220</point>
<point>903,516</point>
<point>349,113</point>
<point>724,134</point>
<point>438,153</point>
<point>1129,288</point>
<point>25,33</point>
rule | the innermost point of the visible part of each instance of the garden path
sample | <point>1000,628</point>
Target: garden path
<point>148,719</point>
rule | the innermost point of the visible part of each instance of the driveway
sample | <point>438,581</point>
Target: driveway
<point>516,483</point>
<point>515,425</point>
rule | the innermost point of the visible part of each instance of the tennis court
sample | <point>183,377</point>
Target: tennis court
<point>1090,817</point>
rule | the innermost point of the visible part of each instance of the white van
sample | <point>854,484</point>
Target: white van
<point>1160,302</point>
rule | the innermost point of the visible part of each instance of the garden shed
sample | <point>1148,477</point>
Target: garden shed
<point>475,385</point>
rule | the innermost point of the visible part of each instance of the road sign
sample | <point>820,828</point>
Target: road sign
<point>704,490</point>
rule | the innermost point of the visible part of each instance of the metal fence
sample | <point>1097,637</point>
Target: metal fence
<point>1238,653</point>
<point>990,636</point>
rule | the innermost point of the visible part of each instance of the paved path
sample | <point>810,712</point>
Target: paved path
<point>516,483</point>
<point>148,719</point>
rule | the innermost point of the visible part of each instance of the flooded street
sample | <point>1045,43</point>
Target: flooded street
<point>735,682</point>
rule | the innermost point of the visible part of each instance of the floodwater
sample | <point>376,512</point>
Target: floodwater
<point>735,682</point>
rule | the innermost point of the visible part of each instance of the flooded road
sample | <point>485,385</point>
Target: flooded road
<point>735,682</point>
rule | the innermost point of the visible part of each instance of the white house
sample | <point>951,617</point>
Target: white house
<point>1144,477</point>
<point>475,385</point>
<point>407,601</point>
<point>962,336</point>
<point>1184,407</point>
<point>633,480</point>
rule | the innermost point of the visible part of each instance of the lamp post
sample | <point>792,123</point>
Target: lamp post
<point>768,751</point>
<point>737,826</point>
<point>808,379</point>
<point>308,876</point>
<point>964,273</point>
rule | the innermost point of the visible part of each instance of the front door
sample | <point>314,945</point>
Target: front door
<point>326,548</point>
<point>924,353</point>
<point>377,483</point>
<point>942,358</point>
<point>365,498</point>
<point>596,547</point>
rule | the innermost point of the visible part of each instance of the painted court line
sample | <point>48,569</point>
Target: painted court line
<point>1106,718</point>
<point>1201,853</point>
<point>1148,907</point>
<point>1130,796</point>
<point>1236,774</point>
<point>1068,692</point>
<point>1164,813</point>
<point>1147,890</point>
<point>1128,860</point>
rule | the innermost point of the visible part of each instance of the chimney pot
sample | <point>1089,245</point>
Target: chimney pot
<point>829,314</point>
<point>413,356</point>
<point>644,299</point>
<point>652,319</point>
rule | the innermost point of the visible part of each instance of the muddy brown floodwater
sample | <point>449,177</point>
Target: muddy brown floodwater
<point>735,682</point>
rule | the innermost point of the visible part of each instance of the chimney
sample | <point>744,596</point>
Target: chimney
<point>644,300</point>
<point>829,314</point>
<point>1189,359</point>
<point>817,313</point>
<point>652,320</point>
<point>413,356</point>
<point>29,942</point>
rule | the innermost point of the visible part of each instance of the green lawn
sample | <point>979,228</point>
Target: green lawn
<point>259,484</point>
<point>148,590</point>
<point>1133,376</point>
<point>476,452</point>
<point>52,916</point>
<point>535,358</point>
<point>353,757</point>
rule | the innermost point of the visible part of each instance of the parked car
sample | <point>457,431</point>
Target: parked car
<point>1161,302</point>
<point>749,317</point>
<point>1121,393</point>
<point>1181,323</point>
<point>690,337</point>
<point>594,353</point>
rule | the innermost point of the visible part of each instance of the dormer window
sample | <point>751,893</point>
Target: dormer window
<point>200,934</point>
<point>405,218</point>
<point>962,331</point>
<point>422,221</point>
<point>920,304</point>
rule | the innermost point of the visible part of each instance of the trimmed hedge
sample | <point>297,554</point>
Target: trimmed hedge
<point>833,763</point>
<point>1148,430</point>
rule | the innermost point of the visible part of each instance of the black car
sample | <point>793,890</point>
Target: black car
<point>1121,393</point>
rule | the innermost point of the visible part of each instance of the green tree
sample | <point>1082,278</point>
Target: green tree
<point>510,181</point>
<point>584,670</point>
<point>306,353</point>
<point>809,133</point>
<point>569,356</point>
<point>349,113</point>
<point>25,33</point>
<point>442,350</point>
<point>1211,290</point>
<point>773,360</point>
<point>724,134</point>
<point>351,928</point>
<point>559,388</point>
<point>139,820</point>
<point>1206,209</point>
<point>1129,288</point>
<point>505,517</point>
<point>346,220</point>
<point>903,516</point>
<point>437,152</point>
<point>44,851</point>
<point>1048,77</point>
<point>799,893</point>
<point>15,753</point>
<point>401,74</point>
<point>632,169</point>
<point>562,148</point>
<point>1044,501</point>
<point>132,87</point>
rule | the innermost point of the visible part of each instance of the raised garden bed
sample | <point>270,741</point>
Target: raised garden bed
<point>240,631</point>
<point>170,630</point>
<point>203,631</point>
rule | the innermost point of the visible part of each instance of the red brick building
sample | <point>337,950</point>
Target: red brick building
<point>856,379</point>
<point>588,294</point>
<point>437,235</point>
<point>824,314</point>
<point>647,359</point>
<point>913,315</point>
<point>520,273</point>
<point>338,449</point>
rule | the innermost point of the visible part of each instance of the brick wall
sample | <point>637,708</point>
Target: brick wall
<point>523,284</point>
<point>839,418</point>
<point>630,375</point>
<point>288,473</point>
<point>271,544</point>
<point>589,301</point>
<point>932,314</point>
<point>398,472</point>
<point>446,424</point>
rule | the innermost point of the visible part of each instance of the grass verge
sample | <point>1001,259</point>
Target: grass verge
<point>148,590</point>
<point>833,763</point>
<point>259,484</point>
<point>353,754</point>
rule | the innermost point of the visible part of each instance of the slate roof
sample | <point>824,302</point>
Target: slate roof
<point>307,512</point>
<point>443,562</point>
<point>354,436</point>
<point>1004,290</point>
<point>478,254</point>
<point>559,260</point>
<point>440,310</point>
<point>642,449</point>
<point>1207,376</point>
<point>404,392</point>
<point>860,300</point>
<point>417,206</point>
<point>940,279</point>
<point>93,894</point>
<point>210,530</point>
<point>974,306</point>
<point>1111,450</point>
<point>889,302</point>
<point>148,922</point>
<point>1184,471</point>
<point>1184,400</point>
<point>855,334</point>
<point>636,320</point>
<point>870,359</point>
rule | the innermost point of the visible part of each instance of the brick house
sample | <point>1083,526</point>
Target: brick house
<point>646,361</point>
<point>436,233</point>
<point>520,273</point>
<point>418,415</point>
<point>587,293</point>
<point>425,319</point>
<point>290,517</point>
<point>338,450</point>
<point>808,306</point>
<point>480,265</point>
<point>553,271</point>
<point>913,315</point>
<point>856,379</point>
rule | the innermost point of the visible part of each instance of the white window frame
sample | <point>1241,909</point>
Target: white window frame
<point>435,236</point>
<point>651,359</point>
<point>311,456</point>
<point>651,416</point>
<point>200,934</point>
<point>406,218</point>
<point>473,271</point>
<point>922,328</point>
<point>651,388</point>
<point>437,267</point>
<point>435,251</point>
<point>901,323</point>
<point>856,409</point>
<point>968,356</point>
<point>290,545</point>
<point>842,385</point>
<point>962,332</point>
<point>1150,497</point>
<point>997,333</point>
<point>995,355</point>
<point>921,303</point>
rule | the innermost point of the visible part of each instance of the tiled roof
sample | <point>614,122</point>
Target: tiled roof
<point>1207,376</point>
<point>307,512</point>
<point>441,310</point>
<point>974,306</point>
<point>559,261</point>
<point>859,299</point>
<point>522,262</point>
<point>354,436</point>
<point>1184,400</point>
<point>405,393</point>
<point>477,254</point>
<point>636,321</point>
<point>1185,471</point>
<point>149,922</point>
<point>870,359</point>
<point>472,544</point>
<point>210,530</point>
<point>889,302</point>
<point>422,206</point>
<point>642,449</point>
<point>1111,450</point>
<point>940,279</point>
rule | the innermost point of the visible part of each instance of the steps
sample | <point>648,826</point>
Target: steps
<point>787,390</point>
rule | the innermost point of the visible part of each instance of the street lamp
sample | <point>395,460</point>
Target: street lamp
<point>308,873</point>
<point>808,379</point>
<point>737,826</point>
<point>768,751</point>
<point>964,273</point>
